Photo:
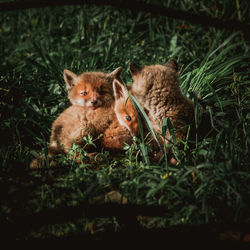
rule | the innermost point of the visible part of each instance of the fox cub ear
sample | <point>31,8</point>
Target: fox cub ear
<point>172,64</point>
<point>70,78</point>
<point>134,69</point>
<point>116,73</point>
<point>119,90</point>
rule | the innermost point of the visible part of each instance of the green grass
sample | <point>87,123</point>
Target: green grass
<point>209,185</point>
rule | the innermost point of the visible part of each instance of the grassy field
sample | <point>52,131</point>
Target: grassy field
<point>209,183</point>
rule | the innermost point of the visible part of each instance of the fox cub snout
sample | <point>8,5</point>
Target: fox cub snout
<point>90,90</point>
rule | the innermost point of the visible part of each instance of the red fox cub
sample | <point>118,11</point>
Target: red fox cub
<point>125,123</point>
<point>91,95</point>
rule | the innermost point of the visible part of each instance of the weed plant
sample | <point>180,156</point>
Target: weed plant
<point>210,182</point>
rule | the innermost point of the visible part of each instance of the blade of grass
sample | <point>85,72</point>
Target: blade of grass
<point>146,120</point>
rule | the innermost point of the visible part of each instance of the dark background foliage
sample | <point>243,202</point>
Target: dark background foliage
<point>209,185</point>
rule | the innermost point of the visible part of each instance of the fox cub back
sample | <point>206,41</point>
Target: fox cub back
<point>157,89</point>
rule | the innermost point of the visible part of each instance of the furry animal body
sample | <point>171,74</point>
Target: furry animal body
<point>92,99</point>
<point>157,89</point>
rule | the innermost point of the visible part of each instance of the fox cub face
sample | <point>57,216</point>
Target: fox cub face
<point>124,109</point>
<point>92,89</point>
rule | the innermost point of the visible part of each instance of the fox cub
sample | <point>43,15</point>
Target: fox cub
<point>91,96</point>
<point>157,89</point>
<point>92,112</point>
<point>125,122</point>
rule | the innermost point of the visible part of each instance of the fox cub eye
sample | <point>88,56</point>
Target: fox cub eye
<point>84,93</point>
<point>128,118</point>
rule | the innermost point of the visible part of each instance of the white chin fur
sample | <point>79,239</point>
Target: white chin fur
<point>80,102</point>
<point>88,104</point>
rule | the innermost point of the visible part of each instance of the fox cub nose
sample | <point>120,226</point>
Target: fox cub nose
<point>94,102</point>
